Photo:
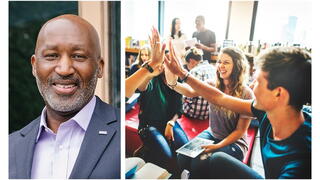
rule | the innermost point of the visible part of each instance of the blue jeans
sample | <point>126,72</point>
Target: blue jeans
<point>160,151</point>
<point>200,167</point>
<point>222,165</point>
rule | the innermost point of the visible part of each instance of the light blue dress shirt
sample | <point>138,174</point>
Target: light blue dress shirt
<point>56,154</point>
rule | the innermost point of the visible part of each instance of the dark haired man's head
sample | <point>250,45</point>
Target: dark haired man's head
<point>287,69</point>
<point>200,21</point>
<point>67,63</point>
<point>193,56</point>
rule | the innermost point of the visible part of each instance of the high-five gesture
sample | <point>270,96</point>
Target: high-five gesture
<point>173,63</point>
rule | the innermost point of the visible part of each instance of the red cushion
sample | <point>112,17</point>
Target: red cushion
<point>251,133</point>
<point>132,138</point>
<point>192,127</point>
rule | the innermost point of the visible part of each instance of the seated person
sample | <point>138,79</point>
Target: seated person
<point>160,107</point>
<point>226,128</point>
<point>197,107</point>
<point>143,56</point>
<point>282,87</point>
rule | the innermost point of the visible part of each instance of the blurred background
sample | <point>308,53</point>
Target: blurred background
<point>250,25</point>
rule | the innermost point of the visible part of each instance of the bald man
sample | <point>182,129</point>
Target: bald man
<point>77,135</point>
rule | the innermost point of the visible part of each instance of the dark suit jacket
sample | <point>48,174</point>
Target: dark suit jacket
<point>99,155</point>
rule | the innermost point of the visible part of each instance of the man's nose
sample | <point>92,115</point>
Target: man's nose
<point>65,66</point>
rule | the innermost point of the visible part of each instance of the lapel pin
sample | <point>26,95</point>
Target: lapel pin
<point>103,132</point>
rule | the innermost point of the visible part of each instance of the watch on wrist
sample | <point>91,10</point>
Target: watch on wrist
<point>148,67</point>
<point>184,79</point>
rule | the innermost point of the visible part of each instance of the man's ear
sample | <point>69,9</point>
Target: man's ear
<point>33,64</point>
<point>282,94</point>
<point>278,92</point>
<point>100,68</point>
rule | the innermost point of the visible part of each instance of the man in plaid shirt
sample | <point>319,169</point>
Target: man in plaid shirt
<point>197,107</point>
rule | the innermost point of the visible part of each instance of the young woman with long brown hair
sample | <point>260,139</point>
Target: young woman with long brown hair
<point>225,127</point>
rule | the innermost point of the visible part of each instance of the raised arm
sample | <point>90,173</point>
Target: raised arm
<point>137,79</point>
<point>181,88</point>
<point>185,90</point>
<point>143,75</point>
<point>156,71</point>
<point>211,94</point>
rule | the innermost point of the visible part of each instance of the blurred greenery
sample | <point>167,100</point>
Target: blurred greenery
<point>25,20</point>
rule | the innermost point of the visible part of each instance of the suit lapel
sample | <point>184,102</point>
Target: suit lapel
<point>94,144</point>
<point>25,149</point>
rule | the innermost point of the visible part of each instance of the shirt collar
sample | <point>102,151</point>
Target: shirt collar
<point>82,118</point>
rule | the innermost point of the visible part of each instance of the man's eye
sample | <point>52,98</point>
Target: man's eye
<point>52,56</point>
<point>79,56</point>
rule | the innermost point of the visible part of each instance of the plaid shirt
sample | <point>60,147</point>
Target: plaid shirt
<point>197,107</point>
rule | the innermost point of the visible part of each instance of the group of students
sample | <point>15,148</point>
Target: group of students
<point>281,87</point>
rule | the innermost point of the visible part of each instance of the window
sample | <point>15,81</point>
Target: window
<point>286,22</point>
<point>215,13</point>
<point>138,18</point>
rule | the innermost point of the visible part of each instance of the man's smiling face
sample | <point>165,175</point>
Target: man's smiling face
<point>66,64</point>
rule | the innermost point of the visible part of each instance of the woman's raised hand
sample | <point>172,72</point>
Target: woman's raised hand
<point>173,63</point>
<point>157,48</point>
